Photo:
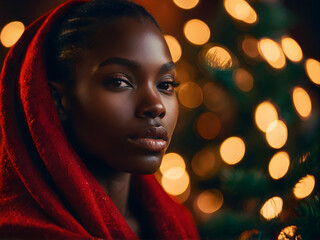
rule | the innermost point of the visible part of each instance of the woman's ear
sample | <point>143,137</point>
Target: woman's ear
<point>58,92</point>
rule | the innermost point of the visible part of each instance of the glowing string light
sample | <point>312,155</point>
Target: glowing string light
<point>186,4</point>
<point>11,33</point>
<point>304,187</point>
<point>174,47</point>
<point>241,10</point>
<point>232,150</point>
<point>190,95</point>
<point>287,233</point>
<point>302,102</point>
<point>312,68</point>
<point>265,113</point>
<point>291,49</point>
<point>272,53</point>
<point>197,32</point>
<point>210,201</point>
<point>243,79</point>
<point>277,134</point>
<point>219,57</point>
<point>279,165</point>
<point>272,208</point>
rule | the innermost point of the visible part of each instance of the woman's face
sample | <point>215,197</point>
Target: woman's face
<point>122,105</point>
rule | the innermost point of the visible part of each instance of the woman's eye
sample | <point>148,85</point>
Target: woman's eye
<point>118,83</point>
<point>168,86</point>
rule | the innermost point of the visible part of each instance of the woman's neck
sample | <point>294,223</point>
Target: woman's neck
<point>117,187</point>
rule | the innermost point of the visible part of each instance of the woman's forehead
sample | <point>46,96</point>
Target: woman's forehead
<point>129,39</point>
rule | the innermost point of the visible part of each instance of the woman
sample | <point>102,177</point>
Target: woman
<point>87,112</point>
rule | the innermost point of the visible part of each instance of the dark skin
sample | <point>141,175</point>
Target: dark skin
<point>122,106</point>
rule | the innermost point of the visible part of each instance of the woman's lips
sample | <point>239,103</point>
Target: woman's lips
<point>151,139</point>
<point>149,144</point>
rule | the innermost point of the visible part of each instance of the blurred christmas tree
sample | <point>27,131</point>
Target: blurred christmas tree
<point>249,125</point>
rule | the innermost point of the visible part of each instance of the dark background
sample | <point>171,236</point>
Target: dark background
<point>305,28</point>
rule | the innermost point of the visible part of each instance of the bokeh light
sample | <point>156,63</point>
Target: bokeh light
<point>171,160</point>
<point>11,33</point>
<point>272,53</point>
<point>272,208</point>
<point>186,4</point>
<point>214,97</point>
<point>190,95</point>
<point>265,114</point>
<point>243,79</point>
<point>208,125</point>
<point>287,233</point>
<point>204,163</point>
<point>304,187</point>
<point>210,201</point>
<point>249,46</point>
<point>174,47</point>
<point>197,32</point>
<point>183,196</point>
<point>219,57</point>
<point>312,68</point>
<point>279,165</point>
<point>174,172</point>
<point>175,179</point>
<point>302,102</point>
<point>291,49</point>
<point>175,186</point>
<point>232,150</point>
<point>185,72</point>
<point>277,134</point>
<point>241,10</point>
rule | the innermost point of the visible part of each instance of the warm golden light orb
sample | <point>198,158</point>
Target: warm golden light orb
<point>210,201</point>
<point>11,33</point>
<point>190,95</point>
<point>232,150</point>
<point>203,163</point>
<point>175,186</point>
<point>265,113</point>
<point>185,72</point>
<point>197,32</point>
<point>243,79</point>
<point>312,68</point>
<point>287,233</point>
<point>186,4</point>
<point>249,46</point>
<point>208,125</point>
<point>291,49</point>
<point>279,165</point>
<point>241,10</point>
<point>272,208</point>
<point>272,53</point>
<point>302,102</point>
<point>215,97</point>
<point>174,47</point>
<point>277,134</point>
<point>218,57</point>
<point>171,160</point>
<point>304,187</point>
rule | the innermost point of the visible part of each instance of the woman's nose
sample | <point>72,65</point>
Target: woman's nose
<point>150,105</point>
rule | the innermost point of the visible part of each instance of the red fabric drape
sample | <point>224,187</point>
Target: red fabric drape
<point>46,192</point>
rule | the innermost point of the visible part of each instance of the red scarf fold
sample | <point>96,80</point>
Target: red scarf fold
<point>46,191</point>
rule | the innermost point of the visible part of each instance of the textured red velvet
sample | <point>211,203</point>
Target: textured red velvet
<point>46,192</point>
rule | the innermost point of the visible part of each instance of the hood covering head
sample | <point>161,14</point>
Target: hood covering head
<point>46,191</point>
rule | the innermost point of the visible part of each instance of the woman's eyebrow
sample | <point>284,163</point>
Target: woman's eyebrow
<point>120,61</point>
<point>133,64</point>
<point>167,67</point>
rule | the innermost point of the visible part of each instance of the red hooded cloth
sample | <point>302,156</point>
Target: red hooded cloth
<point>46,191</point>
